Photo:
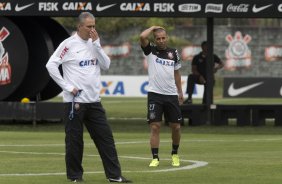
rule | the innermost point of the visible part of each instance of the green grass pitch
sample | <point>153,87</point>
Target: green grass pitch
<point>228,154</point>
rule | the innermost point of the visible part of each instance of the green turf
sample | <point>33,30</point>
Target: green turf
<point>136,107</point>
<point>235,155</point>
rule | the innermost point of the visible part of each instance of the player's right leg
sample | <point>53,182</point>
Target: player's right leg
<point>74,143</point>
<point>174,116</point>
<point>154,118</point>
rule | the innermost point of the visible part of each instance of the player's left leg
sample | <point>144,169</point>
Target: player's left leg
<point>175,136</point>
<point>174,116</point>
<point>102,136</point>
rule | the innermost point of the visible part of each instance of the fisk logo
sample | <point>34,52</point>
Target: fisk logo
<point>110,88</point>
<point>5,67</point>
<point>48,6</point>
<point>63,53</point>
<point>163,7</point>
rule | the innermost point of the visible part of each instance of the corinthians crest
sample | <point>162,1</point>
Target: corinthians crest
<point>238,54</point>
<point>5,68</point>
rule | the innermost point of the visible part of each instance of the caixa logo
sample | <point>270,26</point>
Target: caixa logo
<point>124,88</point>
<point>77,6</point>
<point>5,6</point>
<point>143,88</point>
<point>111,88</point>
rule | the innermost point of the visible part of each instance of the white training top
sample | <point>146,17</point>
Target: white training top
<point>81,62</point>
<point>161,66</point>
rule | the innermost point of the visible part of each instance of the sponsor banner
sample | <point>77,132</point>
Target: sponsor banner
<point>117,51</point>
<point>214,8</point>
<point>144,8</point>
<point>136,86</point>
<point>253,87</point>
<point>236,8</point>
<point>189,52</point>
<point>273,53</point>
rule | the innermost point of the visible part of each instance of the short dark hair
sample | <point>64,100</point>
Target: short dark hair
<point>204,43</point>
<point>158,30</point>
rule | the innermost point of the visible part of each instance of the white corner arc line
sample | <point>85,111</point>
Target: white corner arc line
<point>195,164</point>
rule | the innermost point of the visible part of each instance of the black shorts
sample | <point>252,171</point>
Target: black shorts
<point>159,104</point>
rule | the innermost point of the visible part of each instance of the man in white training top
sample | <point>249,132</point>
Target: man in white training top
<point>164,90</point>
<point>82,58</point>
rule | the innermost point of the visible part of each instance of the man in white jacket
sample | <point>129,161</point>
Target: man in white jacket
<point>82,59</point>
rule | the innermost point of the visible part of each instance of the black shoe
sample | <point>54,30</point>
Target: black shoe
<point>188,101</point>
<point>77,180</point>
<point>120,180</point>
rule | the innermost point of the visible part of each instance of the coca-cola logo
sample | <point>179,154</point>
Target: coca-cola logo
<point>238,8</point>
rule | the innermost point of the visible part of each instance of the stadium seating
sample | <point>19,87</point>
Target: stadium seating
<point>242,113</point>
<point>261,112</point>
<point>245,115</point>
<point>196,114</point>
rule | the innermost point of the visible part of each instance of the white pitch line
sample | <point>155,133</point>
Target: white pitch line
<point>188,167</point>
<point>32,153</point>
<point>31,145</point>
<point>144,142</point>
<point>195,164</point>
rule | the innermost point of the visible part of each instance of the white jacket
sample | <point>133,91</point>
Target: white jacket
<point>81,62</point>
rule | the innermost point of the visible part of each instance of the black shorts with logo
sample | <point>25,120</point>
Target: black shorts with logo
<point>159,104</point>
